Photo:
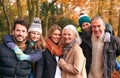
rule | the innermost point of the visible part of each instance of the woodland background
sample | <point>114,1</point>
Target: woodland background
<point>60,12</point>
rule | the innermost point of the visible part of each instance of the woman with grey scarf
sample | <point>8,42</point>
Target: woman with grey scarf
<point>73,61</point>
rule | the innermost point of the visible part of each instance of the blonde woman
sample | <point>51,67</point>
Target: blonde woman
<point>48,67</point>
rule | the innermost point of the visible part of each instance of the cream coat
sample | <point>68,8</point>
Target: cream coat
<point>74,64</point>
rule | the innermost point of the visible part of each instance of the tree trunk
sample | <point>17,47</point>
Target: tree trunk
<point>37,8</point>
<point>31,9</point>
<point>19,9</point>
<point>7,16</point>
<point>110,12</point>
<point>119,25</point>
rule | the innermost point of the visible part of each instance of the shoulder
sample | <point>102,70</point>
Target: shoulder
<point>77,49</point>
<point>46,52</point>
<point>4,48</point>
<point>76,46</point>
<point>115,39</point>
<point>7,38</point>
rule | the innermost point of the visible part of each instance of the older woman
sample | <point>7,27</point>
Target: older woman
<point>73,61</point>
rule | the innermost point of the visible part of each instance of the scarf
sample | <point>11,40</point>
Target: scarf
<point>53,48</point>
<point>96,69</point>
<point>67,47</point>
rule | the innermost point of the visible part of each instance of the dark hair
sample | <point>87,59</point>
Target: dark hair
<point>109,28</point>
<point>21,22</point>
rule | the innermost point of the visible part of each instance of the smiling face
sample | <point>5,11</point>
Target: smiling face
<point>56,36</point>
<point>98,27</point>
<point>34,35</point>
<point>20,33</point>
<point>68,36</point>
<point>86,26</point>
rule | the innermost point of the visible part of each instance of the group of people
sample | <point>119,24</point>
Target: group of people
<point>63,53</point>
<point>100,47</point>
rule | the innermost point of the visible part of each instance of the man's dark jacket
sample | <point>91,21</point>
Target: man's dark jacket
<point>111,50</point>
<point>10,67</point>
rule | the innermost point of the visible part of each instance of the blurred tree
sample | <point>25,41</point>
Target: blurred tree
<point>6,13</point>
<point>119,24</point>
<point>48,13</point>
<point>58,10</point>
<point>3,29</point>
<point>31,9</point>
<point>19,8</point>
<point>63,21</point>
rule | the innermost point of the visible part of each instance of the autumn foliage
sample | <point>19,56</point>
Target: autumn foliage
<point>115,74</point>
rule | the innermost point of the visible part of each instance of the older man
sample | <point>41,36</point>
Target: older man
<point>102,55</point>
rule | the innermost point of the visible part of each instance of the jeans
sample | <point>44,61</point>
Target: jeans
<point>31,75</point>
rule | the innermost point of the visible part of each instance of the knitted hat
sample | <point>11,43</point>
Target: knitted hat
<point>36,25</point>
<point>84,18</point>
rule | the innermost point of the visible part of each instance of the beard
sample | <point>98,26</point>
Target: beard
<point>20,38</point>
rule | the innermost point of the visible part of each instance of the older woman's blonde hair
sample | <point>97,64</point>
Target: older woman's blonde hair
<point>74,30</point>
